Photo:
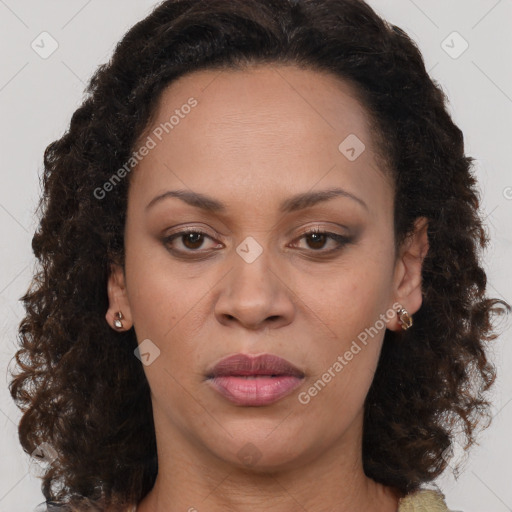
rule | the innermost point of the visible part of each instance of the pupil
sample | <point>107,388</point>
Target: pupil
<point>319,239</point>
<point>189,239</point>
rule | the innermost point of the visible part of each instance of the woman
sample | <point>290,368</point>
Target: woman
<point>260,284</point>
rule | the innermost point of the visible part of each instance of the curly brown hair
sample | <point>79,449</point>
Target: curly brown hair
<point>80,387</point>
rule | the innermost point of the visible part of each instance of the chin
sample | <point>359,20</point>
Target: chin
<point>263,451</point>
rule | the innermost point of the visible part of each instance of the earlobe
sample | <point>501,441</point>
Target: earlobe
<point>118,315</point>
<point>408,275</point>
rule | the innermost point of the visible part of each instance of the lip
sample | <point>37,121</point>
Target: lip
<point>248,380</point>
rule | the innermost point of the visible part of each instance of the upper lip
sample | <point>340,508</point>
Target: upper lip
<point>247,365</point>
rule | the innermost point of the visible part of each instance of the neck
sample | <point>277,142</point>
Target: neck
<point>195,480</point>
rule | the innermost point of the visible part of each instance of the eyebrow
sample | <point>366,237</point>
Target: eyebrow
<point>297,202</point>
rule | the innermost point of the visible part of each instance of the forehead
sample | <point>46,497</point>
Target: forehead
<point>264,128</point>
<point>270,97</point>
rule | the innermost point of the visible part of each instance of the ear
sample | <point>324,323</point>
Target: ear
<point>118,299</point>
<point>407,290</point>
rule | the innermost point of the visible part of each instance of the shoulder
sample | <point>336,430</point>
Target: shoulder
<point>424,500</point>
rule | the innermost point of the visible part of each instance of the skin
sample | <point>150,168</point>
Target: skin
<point>257,137</point>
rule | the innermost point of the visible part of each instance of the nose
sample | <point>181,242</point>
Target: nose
<point>254,295</point>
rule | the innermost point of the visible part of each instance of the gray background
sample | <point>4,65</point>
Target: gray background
<point>38,96</point>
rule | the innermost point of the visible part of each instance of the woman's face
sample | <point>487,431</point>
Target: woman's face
<point>261,145</point>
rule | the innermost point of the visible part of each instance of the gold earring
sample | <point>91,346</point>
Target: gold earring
<point>404,319</point>
<point>117,320</point>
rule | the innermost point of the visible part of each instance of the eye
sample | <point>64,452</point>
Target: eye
<point>316,240</point>
<point>190,241</point>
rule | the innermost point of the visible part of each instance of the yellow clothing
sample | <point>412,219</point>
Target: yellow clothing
<point>423,500</point>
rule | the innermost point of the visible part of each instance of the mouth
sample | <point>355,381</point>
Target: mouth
<point>254,380</point>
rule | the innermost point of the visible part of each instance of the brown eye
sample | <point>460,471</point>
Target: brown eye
<point>189,241</point>
<point>316,240</point>
<point>192,240</point>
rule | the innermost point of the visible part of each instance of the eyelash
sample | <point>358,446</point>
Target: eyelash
<point>340,240</point>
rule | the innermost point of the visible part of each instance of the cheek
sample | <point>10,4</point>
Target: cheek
<point>350,309</point>
<point>162,294</point>
<point>350,312</point>
<point>164,310</point>
<point>351,296</point>
<point>334,399</point>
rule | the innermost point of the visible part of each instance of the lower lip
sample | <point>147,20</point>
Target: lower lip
<point>259,390</point>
